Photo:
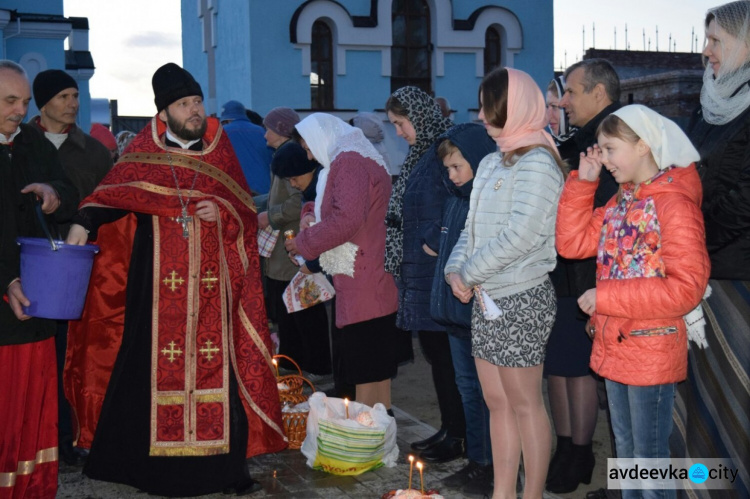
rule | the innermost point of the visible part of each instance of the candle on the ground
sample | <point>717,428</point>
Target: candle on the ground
<point>411,468</point>
<point>421,477</point>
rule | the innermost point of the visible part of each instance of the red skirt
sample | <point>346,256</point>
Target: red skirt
<point>28,420</point>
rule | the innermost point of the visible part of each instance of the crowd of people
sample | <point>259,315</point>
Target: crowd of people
<point>571,238</point>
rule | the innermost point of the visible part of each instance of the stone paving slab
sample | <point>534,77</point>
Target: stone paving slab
<point>285,475</point>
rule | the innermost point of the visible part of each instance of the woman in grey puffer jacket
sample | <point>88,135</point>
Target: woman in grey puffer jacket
<point>508,248</point>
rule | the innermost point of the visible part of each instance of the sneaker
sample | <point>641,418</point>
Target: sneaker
<point>466,474</point>
<point>481,482</point>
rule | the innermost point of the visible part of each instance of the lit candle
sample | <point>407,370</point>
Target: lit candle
<point>411,468</point>
<point>421,477</point>
<point>276,365</point>
<point>346,406</point>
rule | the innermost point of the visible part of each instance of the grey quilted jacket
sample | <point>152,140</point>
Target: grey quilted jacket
<point>508,243</point>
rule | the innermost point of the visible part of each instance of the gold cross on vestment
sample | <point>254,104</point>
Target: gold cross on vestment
<point>208,350</point>
<point>209,281</point>
<point>173,281</point>
<point>171,352</point>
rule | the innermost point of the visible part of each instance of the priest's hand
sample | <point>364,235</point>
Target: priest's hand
<point>48,195</point>
<point>16,299</point>
<point>207,211</point>
<point>77,235</point>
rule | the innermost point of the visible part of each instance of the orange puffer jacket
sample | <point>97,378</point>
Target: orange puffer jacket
<point>640,332</point>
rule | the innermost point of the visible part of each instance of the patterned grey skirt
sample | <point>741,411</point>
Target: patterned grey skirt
<point>518,338</point>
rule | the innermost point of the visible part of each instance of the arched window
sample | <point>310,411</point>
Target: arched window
<point>491,49</point>
<point>321,67</point>
<point>410,53</point>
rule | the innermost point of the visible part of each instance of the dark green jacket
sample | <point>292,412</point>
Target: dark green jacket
<point>84,160</point>
<point>31,158</point>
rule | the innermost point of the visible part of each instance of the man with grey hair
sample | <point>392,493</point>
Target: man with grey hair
<point>31,178</point>
<point>592,92</point>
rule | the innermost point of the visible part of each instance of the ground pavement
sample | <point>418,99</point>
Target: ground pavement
<point>285,474</point>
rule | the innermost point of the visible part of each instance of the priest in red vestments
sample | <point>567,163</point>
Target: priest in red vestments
<point>175,319</point>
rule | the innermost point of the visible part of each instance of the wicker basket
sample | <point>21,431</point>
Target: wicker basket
<point>295,423</point>
<point>292,381</point>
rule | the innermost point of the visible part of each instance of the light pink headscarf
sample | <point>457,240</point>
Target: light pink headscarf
<point>526,115</point>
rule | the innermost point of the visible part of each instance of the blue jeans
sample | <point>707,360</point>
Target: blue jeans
<point>478,445</point>
<point>642,422</point>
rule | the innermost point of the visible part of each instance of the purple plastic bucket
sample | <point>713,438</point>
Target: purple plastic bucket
<point>55,282</point>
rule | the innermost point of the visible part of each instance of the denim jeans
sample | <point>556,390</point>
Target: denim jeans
<point>642,422</point>
<point>478,445</point>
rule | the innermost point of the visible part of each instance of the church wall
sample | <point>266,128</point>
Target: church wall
<point>459,85</point>
<point>234,60</point>
<point>276,74</point>
<point>362,88</point>
<point>35,6</point>
<point>193,57</point>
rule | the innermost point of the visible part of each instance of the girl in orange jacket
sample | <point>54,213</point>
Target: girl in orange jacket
<point>652,269</point>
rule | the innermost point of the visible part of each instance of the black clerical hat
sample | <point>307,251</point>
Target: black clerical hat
<point>171,83</point>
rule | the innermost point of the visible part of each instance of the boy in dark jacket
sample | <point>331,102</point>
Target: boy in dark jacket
<point>461,149</point>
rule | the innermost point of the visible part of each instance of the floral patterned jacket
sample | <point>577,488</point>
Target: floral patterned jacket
<point>652,269</point>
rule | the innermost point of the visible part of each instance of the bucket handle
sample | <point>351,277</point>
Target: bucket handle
<point>40,215</point>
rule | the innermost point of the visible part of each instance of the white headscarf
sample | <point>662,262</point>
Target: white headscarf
<point>669,144</point>
<point>726,95</point>
<point>328,136</point>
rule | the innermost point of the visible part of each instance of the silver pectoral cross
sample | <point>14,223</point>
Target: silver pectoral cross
<point>184,220</point>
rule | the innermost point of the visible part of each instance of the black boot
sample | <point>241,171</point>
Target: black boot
<point>430,442</point>
<point>447,450</point>
<point>562,455</point>
<point>579,469</point>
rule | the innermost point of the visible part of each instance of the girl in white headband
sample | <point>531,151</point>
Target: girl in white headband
<point>652,269</point>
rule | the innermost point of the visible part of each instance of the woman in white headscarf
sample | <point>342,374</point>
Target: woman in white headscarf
<point>713,410</point>
<point>349,237</point>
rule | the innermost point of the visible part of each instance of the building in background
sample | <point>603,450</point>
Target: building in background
<point>34,34</point>
<point>667,82</point>
<point>347,56</point>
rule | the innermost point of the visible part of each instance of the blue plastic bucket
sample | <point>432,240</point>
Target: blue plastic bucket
<point>55,282</point>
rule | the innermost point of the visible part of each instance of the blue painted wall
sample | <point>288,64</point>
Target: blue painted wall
<point>52,50</point>
<point>258,65</point>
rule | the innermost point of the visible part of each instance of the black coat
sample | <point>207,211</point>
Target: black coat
<point>423,204</point>
<point>725,173</point>
<point>31,158</point>
<point>573,277</point>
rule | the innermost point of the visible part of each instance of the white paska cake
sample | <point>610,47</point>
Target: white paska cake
<point>415,494</point>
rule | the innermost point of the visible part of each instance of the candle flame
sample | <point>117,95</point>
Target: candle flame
<point>419,465</point>
<point>411,458</point>
<point>274,362</point>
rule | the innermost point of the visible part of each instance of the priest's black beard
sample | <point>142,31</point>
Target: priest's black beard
<point>183,132</point>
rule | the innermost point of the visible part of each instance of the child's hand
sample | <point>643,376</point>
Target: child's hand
<point>590,164</point>
<point>587,301</point>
